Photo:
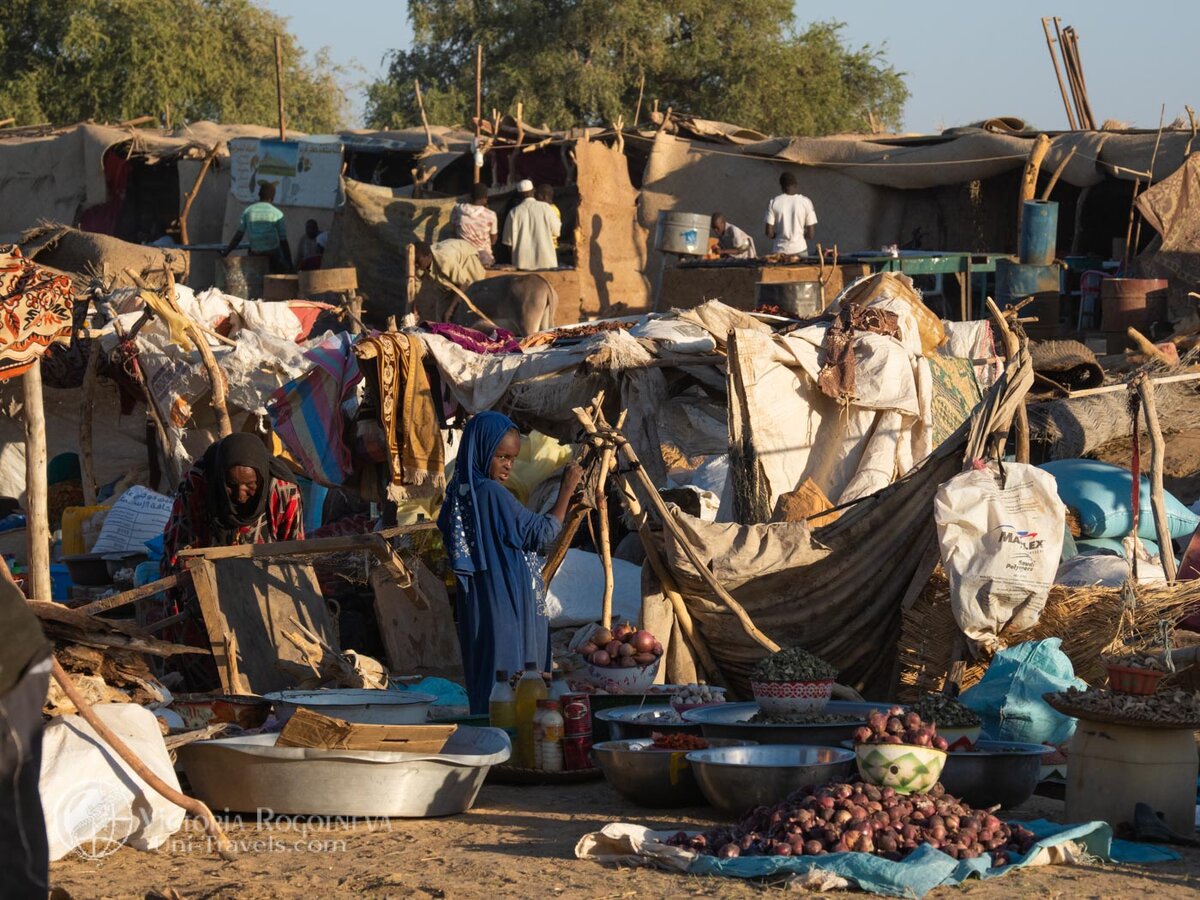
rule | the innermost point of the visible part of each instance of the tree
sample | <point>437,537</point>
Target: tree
<point>578,62</point>
<point>111,60</point>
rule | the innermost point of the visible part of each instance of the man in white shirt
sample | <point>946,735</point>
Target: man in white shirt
<point>732,242</point>
<point>791,218</point>
<point>531,230</point>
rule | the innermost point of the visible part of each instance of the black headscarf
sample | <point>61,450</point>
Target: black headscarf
<point>241,449</point>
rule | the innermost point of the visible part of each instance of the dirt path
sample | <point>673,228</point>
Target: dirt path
<point>517,842</point>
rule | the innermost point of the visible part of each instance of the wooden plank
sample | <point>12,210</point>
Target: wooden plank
<point>131,596</point>
<point>255,603</point>
<point>307,728</point>
<point>415,636</point>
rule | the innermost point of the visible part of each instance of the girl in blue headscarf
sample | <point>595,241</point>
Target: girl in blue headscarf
<point>493,543</point>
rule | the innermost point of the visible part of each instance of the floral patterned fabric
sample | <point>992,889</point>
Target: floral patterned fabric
<point>35,311</point>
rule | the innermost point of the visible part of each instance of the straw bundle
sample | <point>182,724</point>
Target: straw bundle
<point>1090,621</point>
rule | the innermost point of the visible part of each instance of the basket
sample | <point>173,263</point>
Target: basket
<point>1128,680</point>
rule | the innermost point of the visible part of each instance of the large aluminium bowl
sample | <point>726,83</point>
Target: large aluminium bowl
<point>730,720</point>
<point>1001,772</point>
<point>654,778</point>
<point>737,779</point>
<point>358,705</point>
<point>628,722</point>
<point>246,774</point>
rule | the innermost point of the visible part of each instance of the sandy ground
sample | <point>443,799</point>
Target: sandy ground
<point>517,842</point>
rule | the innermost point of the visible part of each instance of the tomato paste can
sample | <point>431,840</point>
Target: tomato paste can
<point>577,750</point>
<point>577,714</point>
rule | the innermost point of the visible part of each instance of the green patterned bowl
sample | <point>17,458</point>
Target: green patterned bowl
<point>903,767</point>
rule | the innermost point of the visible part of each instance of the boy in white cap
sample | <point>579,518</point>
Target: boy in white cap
<point>531,230</point>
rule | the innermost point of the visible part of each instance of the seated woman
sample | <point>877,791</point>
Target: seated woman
<point>237,493</point>
<point>490,539</point>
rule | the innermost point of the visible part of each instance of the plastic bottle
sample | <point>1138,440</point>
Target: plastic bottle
<point>502,706</point>
<point>549,736</point>
<point>558,686</point>
<point>530,689</point>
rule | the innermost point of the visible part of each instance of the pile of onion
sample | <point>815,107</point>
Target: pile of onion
<point>621,648</point>
<point>899,727</point>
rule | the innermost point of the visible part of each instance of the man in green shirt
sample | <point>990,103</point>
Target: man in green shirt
<point>263,224</point>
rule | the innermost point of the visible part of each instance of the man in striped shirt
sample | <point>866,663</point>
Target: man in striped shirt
<point>263,224</point>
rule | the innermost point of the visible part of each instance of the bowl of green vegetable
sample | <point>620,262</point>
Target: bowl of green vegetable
<point>959,725</point>
<point>792,681</point>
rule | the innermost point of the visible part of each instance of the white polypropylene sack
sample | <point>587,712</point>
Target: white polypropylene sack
<point>91,799</point>
<point>138,515</point>
<point>1000,544</point>
<point>577,590</point>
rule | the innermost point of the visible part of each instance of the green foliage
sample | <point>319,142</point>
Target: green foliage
<point>577,62</point>
<point>111,60</point>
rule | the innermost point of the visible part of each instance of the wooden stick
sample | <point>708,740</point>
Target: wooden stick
<point>87,400</point>
<point>1058,170</point>
<point>151,405</point>
<point>1012,346</point>
<point>520,122</point>
<point>224,846</point>
<point>373,543</point>
<point>4,123</point>
<point>478,101</point>
<point>1137,234</point>
<point>144,285</point>
<point>412,280</point>
<point>1062,89</point>
<point>240,685</point>
<point>666,120</point>
<point>1033,165</point>
<point>191,195</point>
<point>1137,183</point>
<point>637,110</point>
<point>1157,451</point>
<point>37,491</point>
<point>1147,346</point>
<point>669,522</point>
<point>279,87</point>
<point>421,109</point>
<point>606,463</point>
<point>131,596</point>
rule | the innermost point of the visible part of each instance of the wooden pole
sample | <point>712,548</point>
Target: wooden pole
<point>215,376</point>
<point>669,523</point>
<point>411,294</point>
<point>87,401</point>
<point>36,489</point>
<point>224,846</point>
<point>1033,165</point>
<point>279,87</point>
<point>1157,451</point>
<point>1128,254</point>
<point>191,195</point>
<point>606,463</point>
<point>1062,88</point>
<point>421,109</point>
<point>478,104</point>
<point>1137,234</point>
<point>637,110</point>
<point>1012,346</point>
<point>1058,170</point>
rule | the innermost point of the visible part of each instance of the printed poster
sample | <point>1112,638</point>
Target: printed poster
<point>305,173</point>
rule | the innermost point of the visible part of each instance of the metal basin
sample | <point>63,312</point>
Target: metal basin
<point>654,778</point>
<point>626,723</point>
<point>729,720</point>
<point>357,705</point>
<point>737,779</point>
<point>1001,772</point>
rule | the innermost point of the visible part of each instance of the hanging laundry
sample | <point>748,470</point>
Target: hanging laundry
<point>35,311</point>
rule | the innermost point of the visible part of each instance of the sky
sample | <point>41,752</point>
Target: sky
<point>964,60</point>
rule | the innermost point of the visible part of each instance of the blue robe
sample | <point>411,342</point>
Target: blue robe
<point>493,542</point>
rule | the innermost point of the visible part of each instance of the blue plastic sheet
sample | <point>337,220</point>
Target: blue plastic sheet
<point>923,869</point>
<point>448,693</point>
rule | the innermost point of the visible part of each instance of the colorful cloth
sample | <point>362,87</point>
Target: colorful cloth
<point>955,394</point>
<point>477,225</point>
<point>499,341</point>
<point>306,412</point>
<point>264,226</point>
<point>491,540</point>
<point>35,311</point>
<point>416,457</point>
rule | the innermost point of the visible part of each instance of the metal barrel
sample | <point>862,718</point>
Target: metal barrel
<point>1039,232</point>
<point>682,232</point>
<point>1132,303</point>
<point>799,298</point>
<point>242,276</point>
<point>1016,281</point>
